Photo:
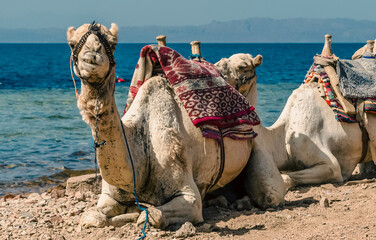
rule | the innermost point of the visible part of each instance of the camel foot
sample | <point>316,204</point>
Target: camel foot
<point>242,204</point>
<point>123,219</point>
<point>93,218</point>
<point>220,201</point>
<point>155,218</point>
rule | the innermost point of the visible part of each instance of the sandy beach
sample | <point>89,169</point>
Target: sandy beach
<point>329,211</point>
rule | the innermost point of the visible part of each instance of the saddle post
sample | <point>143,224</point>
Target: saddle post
<point>370,48</point>
<point>327,49</point>
<point>196,47</point>
<point>161,40</point>
<point>196,50</point>
<point>330,70</point>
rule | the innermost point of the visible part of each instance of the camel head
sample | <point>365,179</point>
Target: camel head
<point>92,47</point>
<point>239,70</point>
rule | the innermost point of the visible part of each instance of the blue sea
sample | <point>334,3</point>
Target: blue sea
<point>42,137</point>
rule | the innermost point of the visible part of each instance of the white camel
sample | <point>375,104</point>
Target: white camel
<point>306,143</point>
<point>174,165</point>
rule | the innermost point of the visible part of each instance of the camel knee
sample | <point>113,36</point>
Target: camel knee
<point>109,206</point>
<point>269,199</point>
<point>333,173</point>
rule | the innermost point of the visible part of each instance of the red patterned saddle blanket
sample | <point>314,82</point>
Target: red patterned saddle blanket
<point>212,104</point>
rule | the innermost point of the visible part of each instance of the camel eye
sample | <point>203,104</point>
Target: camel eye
<point>71,45</point>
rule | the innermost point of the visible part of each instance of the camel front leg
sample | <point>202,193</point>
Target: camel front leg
<point>186,205</point>
<point>109,211</point>
<point>325,170</point>
<point>263,181</point>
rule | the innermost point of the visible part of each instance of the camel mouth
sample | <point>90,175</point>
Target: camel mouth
<point>90,61</point>
<point>93,58</point>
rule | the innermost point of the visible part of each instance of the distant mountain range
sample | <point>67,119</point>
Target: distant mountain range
<point>252,30</point>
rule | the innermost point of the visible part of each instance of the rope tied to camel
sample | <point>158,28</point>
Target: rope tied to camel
<point>193,56</point>
<point>134,183</point>
<point>96,143</point>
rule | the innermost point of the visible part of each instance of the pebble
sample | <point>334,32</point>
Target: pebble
<point>31,201</point>
<point>79,196</point>
<point>55,193</point>
<point>80,205</point>
<point>324,202</point>
<point>186,230</point>
<point>26,215</point>
<point>34,196</point>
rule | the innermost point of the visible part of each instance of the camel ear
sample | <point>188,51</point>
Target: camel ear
<point>70,33</point>
<point>257,61</point>
<point>114,30</point>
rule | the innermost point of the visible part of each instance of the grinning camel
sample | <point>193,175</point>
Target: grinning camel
<point>306,143</point>
<point>174,165</point>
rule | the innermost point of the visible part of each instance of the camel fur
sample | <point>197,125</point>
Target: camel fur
<point>174,165</point>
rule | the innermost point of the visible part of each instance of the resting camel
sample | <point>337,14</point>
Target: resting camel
<point>175,166</point>
<point>306,143</point>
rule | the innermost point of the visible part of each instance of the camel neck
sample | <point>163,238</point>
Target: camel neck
<point>252,93</point>
<point>99,111</point>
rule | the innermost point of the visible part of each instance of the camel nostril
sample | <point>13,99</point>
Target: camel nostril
<point>98,48</point>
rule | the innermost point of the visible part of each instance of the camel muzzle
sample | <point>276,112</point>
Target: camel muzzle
<point>93,28</point>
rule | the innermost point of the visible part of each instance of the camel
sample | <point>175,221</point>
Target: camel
<point>154,150</point>
<point>307,144</point>
<point>268,189</point>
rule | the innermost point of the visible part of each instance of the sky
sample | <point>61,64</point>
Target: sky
<point>32,14</point>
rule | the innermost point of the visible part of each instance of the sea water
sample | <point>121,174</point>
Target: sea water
<point>41,130</point>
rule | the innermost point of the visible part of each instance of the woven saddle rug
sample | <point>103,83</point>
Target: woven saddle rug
<point>317,73</point>
<point>212,104</point>
<point>357,78</point>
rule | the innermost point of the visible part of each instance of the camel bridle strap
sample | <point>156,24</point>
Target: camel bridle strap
<point>95,29</point>
<point>244,81</point>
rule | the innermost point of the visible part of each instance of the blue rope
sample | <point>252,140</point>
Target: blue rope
<point>368,57</point>
<point>192,56</point>
<point>134,185</point>
<point>95,146</point>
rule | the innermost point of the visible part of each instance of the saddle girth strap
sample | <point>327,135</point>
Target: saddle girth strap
<point>365,136</point>
<point>365,140</point>
<point>222,159</point>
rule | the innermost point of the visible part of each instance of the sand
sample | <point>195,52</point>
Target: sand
<point>330,211</point>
